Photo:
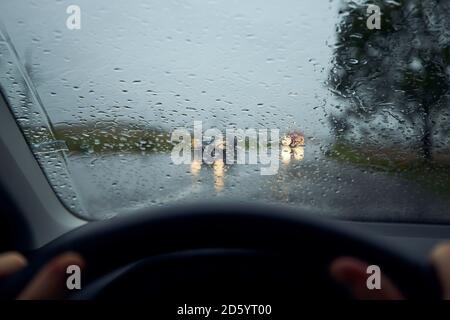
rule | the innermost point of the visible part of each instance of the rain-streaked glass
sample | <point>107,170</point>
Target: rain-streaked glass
<point>98,105</point>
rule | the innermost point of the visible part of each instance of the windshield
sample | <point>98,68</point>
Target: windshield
<point>339,107</point>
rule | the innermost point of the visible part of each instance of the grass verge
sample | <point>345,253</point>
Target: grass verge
<point>434,175</point>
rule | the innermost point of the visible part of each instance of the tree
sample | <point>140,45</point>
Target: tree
<point>400,72</point>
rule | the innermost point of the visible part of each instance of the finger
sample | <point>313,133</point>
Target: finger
<point>11,262</point>
<point>440,257</point>
<point>50,282</point>
<point>352,273</point>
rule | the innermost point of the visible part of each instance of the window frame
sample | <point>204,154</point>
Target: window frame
<point>26,184</point>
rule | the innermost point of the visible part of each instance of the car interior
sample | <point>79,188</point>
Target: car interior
<point>86,163</point>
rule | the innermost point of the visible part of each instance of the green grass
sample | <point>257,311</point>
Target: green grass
<point>111,138</point>
<point>114,138</point>
<point>434,175</point>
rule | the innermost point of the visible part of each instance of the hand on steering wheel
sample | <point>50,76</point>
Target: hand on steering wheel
<point>288,248</point>
<point>49,283</point>
<point>351,272</point>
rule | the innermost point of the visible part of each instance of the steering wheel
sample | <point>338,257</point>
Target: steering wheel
<point>218,250</point>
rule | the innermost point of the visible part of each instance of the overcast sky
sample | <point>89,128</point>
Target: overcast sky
<point>249,63</point>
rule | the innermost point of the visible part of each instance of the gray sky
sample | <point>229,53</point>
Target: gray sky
<point>248,63</point>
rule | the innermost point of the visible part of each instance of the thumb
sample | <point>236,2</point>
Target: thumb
<point>11,262</point>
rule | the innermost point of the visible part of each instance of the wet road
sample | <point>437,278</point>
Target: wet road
<point>111,184</point>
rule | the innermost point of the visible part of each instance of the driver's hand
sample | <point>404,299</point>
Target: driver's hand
<point>351,272</point>
<point>49,283</point>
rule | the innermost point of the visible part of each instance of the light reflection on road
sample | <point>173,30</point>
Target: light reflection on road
<point>219,175</point>
<point>196,167</point>
<point>288,156</point>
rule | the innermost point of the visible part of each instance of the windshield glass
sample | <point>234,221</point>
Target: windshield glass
<point>339,107</point>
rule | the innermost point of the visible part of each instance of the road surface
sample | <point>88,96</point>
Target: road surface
<point>112,184</point>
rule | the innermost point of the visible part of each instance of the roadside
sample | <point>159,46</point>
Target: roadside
<point>432,175</point>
